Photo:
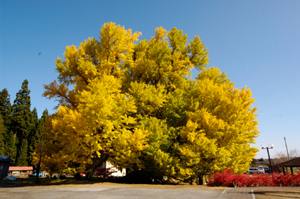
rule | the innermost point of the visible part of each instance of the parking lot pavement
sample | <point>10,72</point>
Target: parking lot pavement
<point>125,191</point>
<point>277,192</point>
<point>261,193</point>
<point>111,191</point>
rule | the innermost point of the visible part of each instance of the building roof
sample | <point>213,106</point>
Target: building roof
<point>290,163</point>
<point>261,162</point>
<point>5,159</point>
<point>30,168</point>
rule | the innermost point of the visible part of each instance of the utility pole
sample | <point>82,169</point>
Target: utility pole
<point>287,150</point>
<point>269,147</point>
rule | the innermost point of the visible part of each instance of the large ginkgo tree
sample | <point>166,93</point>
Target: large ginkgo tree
<point>135,104</point>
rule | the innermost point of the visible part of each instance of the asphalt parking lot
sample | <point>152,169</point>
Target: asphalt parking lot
<point>122,191</point>
<point>110,191</point>
<point>261,193</point>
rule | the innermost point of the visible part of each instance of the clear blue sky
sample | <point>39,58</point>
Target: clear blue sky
<point>255,42</point>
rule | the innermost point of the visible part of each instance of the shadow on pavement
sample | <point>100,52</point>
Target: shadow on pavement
<point>279,194</point>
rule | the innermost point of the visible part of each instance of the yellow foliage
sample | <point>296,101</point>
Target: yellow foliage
<point>221,125</point>
<point>134,105</point>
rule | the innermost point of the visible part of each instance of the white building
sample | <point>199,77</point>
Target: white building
<point>115,171</point>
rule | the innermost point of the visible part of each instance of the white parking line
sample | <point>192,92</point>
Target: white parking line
<point>224,192</point>
<point>253,196</point>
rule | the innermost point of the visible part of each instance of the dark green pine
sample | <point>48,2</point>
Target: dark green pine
<point>41,124</point>
<point>33,136</point>
<point>10,148</point>
<point>5,109</point>
<point>22,158</point>
<point>22,123</point>
<point>5,112</point>
<point>2,136</point>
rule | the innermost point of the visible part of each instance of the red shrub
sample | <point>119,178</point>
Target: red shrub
<point>222,179</point>
<point>287,180</point>
<point>296,179</point>
<point>228,178</point>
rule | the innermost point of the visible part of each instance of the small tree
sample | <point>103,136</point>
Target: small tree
<point>282,155</point>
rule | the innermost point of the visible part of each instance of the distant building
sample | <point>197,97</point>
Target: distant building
<point>292,164</point>
<point>261,163</point>
<point>21,171</point>
<point>115,171</point>
<point>4,166</point>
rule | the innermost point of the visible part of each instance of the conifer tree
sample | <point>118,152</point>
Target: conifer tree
<point>5,112</point>
<point>41,125</point>
<point>35,117</point>
<point>37,155</point>
<point>5,108</point>
<point>2,136</point>
<point>22,156</point>
<point>22,123</point>
<point>10,147</point>
<point>33,136</point>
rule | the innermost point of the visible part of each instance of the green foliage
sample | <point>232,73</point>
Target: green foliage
<point>10,147</point>
<point>22,118</point>
<point>19,124</point>
<point>158,157</point>
<point>22,156</point>
<point>5,108</point>
<point>22,124</point>
<point>2,136</point>
<point>33,136</point>
<point>41,126</point>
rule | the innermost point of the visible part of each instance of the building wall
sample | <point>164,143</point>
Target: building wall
<point>117,172</point>
<point>3,169</point>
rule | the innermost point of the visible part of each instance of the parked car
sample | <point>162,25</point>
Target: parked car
<point>256,170</point>
<point>261,169</point>
<point>9,178</point>
<point>34,175</point>
<point>267,170</point>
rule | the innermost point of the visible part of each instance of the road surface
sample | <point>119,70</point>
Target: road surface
<point>119,191</point>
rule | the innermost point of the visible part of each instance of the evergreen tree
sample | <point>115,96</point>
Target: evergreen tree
<point>35,117</point>
<point>5,108</point>
<point>33,135</point>
<point>22,158</point>
<point>41,125</point>
<point>40,140</point>
<point>2,133</point>
<point>5,112</point>
<point>10,146</point>
<point>22,123</point>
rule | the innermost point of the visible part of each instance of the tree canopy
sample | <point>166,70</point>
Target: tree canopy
<point>135,104</point>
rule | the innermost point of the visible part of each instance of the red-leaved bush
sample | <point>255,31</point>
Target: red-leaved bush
<point>229,179</point>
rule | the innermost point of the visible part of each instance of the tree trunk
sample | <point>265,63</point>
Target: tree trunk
<point>97,163</point>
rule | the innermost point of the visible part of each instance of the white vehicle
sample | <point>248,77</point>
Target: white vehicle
<point>256,170</point>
